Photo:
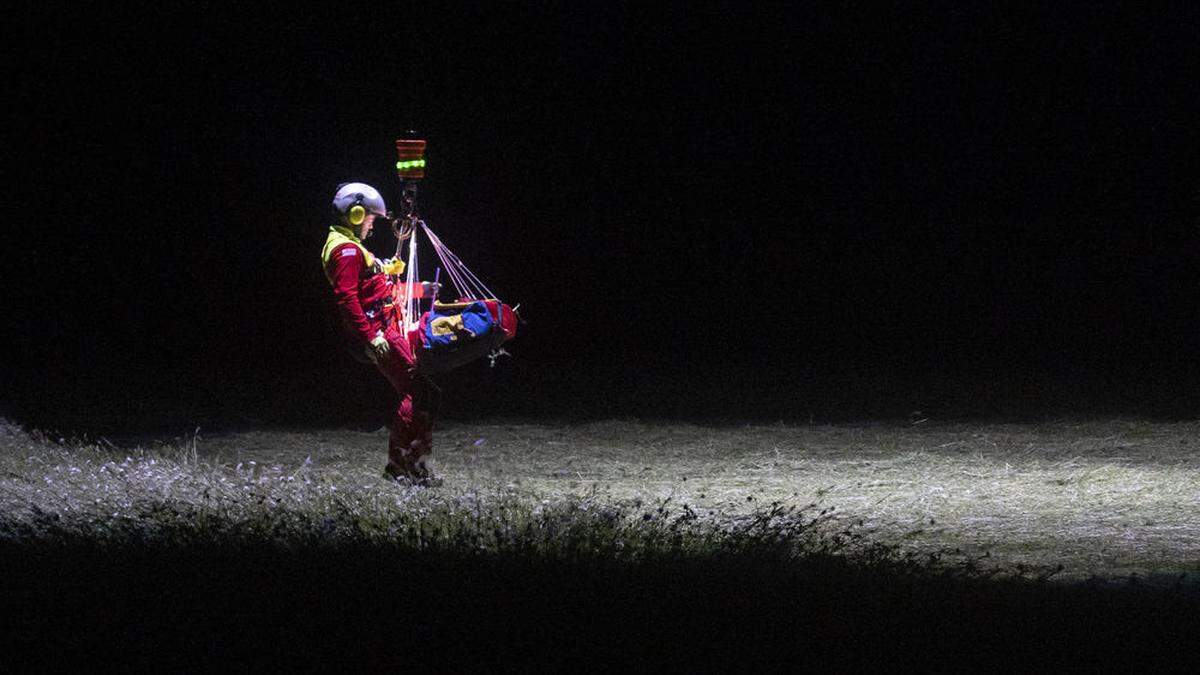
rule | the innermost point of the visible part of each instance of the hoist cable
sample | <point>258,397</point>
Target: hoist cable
<point>480,287</point>
<point>456,277</point>
<point>411,306</point>
<point>460,283</point>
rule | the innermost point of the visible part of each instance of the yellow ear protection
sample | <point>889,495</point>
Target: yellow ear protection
<point>357,214</point>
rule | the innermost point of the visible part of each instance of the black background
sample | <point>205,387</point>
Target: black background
<point>705,211</point>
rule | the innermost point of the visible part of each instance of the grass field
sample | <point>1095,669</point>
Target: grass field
<point>1105,498</point>
<point>876,533</point>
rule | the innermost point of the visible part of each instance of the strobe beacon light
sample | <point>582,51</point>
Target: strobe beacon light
<point>442,351</point>
<point>410,163</point>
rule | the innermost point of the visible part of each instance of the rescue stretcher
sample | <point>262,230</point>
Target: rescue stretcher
<point>454,334</point>
<point>448,335</point>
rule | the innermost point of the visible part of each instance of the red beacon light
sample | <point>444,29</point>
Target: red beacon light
<point>410,162</point>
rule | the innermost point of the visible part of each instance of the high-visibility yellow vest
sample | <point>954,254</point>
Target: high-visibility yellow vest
<point>339,235</point>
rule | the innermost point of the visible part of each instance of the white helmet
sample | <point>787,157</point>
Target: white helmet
<point>353,201</point>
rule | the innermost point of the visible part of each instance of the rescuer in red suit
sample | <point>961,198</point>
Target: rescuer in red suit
<point>363,289</point>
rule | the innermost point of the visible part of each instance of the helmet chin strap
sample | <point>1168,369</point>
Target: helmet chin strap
<point>378,217</point>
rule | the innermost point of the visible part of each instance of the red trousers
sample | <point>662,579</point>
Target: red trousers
<point>410,427</point>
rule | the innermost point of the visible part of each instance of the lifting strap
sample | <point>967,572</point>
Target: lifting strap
<point>466,284</point>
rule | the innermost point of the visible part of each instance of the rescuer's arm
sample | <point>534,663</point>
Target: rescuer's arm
<point>344,268</point>
<point>394,267</point>
<point>421,289</point>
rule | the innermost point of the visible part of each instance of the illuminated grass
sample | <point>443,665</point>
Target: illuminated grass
<point>1107,499</point>
<point>174,496</point>
<point>700,546</point>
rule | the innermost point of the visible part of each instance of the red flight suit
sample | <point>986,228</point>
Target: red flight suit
<point>364,301</point>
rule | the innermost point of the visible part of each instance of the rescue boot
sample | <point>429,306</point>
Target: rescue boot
<point>419,476</point>
<point>424,475</point>
<point>394,471</point>
<point>429,482</point>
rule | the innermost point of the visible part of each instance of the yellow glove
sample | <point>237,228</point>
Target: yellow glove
<point>379,348</point>
<point>393,267</point>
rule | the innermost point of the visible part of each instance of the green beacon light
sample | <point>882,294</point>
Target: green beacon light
<point>410,162</point>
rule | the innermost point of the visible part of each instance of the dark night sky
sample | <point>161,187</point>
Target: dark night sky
<point>782,193</point>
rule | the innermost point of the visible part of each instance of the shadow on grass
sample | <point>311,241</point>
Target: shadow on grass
<point>204,603</point>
